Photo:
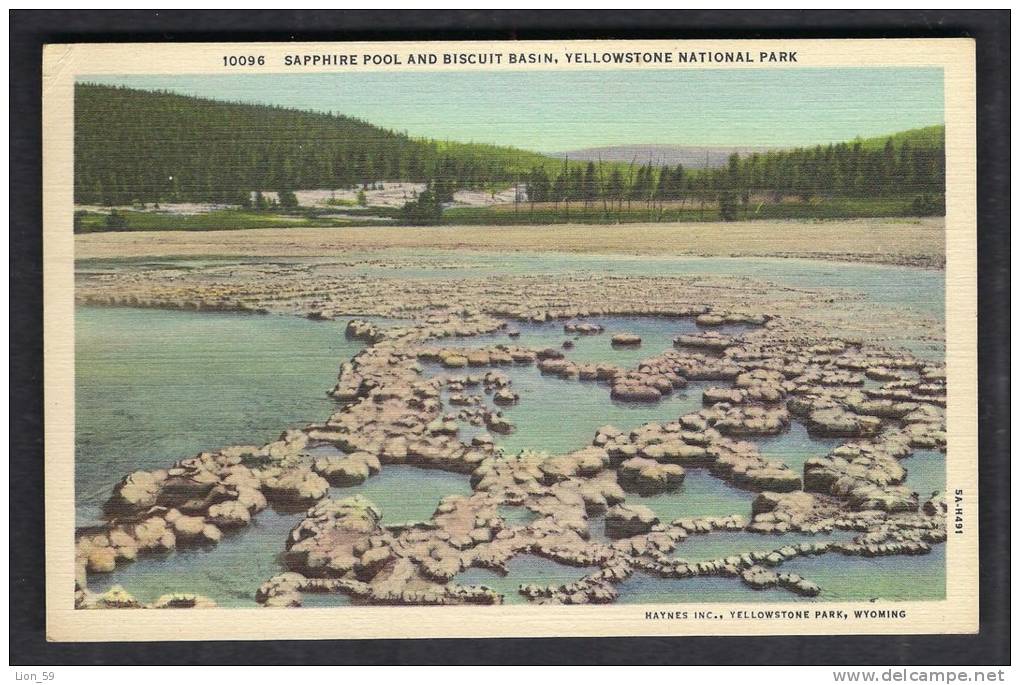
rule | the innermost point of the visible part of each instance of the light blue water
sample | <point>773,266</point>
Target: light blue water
<point>560,416</point>
<point>841,578</point>
<point>231,571</point>
<point>718,545</point>
<point>926,472</point>
<point>228,573</point>
<point>701,494</point>
<point>656,332</point>
<point>516,516</point>
<point>523,569</point>
<point>919,290</point>
<point>895,578</point>
<point>407,493</point>
<point>155,386</point>
<point>794,446</point>
<point>642,588</point>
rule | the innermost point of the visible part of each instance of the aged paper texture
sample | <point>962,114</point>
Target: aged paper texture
<point>593,338</point>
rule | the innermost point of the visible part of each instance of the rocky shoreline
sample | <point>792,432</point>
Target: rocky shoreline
<point>883,403</point>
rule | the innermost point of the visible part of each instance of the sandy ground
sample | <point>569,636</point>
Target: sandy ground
<point>388,194</point>
<point>395,194</point>
<point>919,242</point>
<point>181,208</point>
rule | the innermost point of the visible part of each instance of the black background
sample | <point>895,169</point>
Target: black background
<point>31,29</point>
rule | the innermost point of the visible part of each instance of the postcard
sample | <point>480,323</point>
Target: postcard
<point>510,339</point>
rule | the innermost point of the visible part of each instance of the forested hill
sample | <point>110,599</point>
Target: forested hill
<point>905,163</point>
<point>145,146</point>
<point>135,145</point>
<point>927,137</point>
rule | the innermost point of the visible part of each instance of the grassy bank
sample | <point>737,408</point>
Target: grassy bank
<point>673,212</point>
<point>223,220</point>
<point>524,213</point>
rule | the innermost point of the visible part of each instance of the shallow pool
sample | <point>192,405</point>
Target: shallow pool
<point>721,544</point>
<point>701,494</point>
<point>154,386</point>
<point>894,578</point>
<point>229,573</point>
<point>656,332</point>
<point>558,416</point>
<point>642,588</point>
<point>841,578</point>
<point>407,493</point>
<point>524,569</point>
<point>926,472</point>
<point>794,446</point>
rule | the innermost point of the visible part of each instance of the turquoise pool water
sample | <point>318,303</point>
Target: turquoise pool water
<point>642,588</point>
<point>841,578</point>
<point>718,545</point>
<point>926,472</point>
<point>794,446</point>
<point>701,494</point>
<point>231,571</point>
<point>523,569</point>
<point>919,290</point>
<point>407,493</point>
<point>656,332</point>
<point>228,573</point>
<point>558,416</point>
<point>154,386</point>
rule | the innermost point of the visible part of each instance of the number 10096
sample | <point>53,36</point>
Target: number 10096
<point>244,60</point>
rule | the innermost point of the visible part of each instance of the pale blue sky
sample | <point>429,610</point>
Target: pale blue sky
<point>563,110</point>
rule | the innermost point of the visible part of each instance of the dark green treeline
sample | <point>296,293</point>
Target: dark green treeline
<point>144,146</point>
<point>908,164</point>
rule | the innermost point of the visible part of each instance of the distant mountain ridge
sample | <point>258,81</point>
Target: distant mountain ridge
<point>715,156</point>
<point>691,156</point>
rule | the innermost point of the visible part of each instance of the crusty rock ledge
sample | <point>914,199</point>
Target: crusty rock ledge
<point>390,412</point>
